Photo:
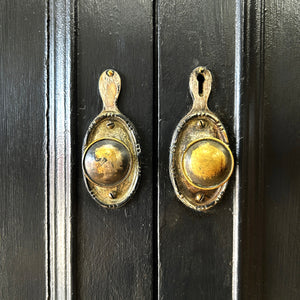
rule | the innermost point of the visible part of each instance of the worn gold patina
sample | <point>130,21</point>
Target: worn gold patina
<point>110,160</point>
<point>106,162</point>
<point>200,160</point>
<point>207,163</point>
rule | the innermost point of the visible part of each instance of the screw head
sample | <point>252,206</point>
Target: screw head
<point>199,197</point>
<point>110,125</point>
<point>112,195</point>
<point>201,123</point>
<point>110,73</point>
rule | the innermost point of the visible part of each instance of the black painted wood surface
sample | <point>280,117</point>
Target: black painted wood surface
<point>269,249</point>
<point>280,153</point>
<point>154,247</point>
<point>22,114</point>
<point>195,248</point>
<point>114,247</point>
<point>251,162</point>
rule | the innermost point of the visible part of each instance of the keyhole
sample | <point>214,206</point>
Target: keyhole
<point>200,79</point>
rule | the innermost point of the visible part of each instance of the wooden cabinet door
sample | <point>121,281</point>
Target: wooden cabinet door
<point>56,242</point>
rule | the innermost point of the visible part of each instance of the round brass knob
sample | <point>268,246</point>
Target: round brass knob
<point>106,162</point>
<point>207,163</point>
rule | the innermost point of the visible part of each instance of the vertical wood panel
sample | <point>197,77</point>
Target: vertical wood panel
<point>22,114</point>
<point>195,249</point>
<point>281,150</point>
<point>251,151</point>
<point>270,146</point>
<point>114,248</point>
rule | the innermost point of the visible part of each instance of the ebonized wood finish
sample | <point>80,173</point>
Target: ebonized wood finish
<point>251,164</point>
<point>280,154</point>
<point>269,228</point>
<point>154,45</point>
<point>195,249</point>
<point>114,247</point>
<point>22,186</point>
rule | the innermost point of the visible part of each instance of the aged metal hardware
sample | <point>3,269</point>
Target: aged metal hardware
<point>110,159</point>
<point>200,160</point>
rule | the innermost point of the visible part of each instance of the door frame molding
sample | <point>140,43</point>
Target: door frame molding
<point>60,49</point>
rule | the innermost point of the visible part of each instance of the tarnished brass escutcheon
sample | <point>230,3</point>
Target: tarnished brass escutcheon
<point>201,161</point>
<point>110,158</point>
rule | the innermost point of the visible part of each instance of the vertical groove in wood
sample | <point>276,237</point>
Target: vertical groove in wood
<point>155,158</point>
<point>46,151</point>
<point>236,190</point>
<point>60,43</point>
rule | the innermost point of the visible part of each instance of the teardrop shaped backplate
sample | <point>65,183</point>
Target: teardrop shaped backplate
<point>110,155</point>
<point>200,160</point>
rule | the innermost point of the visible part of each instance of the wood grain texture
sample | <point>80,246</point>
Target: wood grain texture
<point>114,247</point>
<point>22,114</point>
<point>250,279</point>
<point>270,147</point>
<point>195,248</point>
<point>281,140</point>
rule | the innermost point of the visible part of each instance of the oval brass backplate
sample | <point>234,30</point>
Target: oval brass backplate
<point>200,160</point>
<point>110,158</point>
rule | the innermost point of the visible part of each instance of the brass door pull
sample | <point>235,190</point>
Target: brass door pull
<point>110,159</point>
<point>200,160</point>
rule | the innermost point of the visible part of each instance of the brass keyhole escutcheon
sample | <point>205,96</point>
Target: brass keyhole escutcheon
<point>110,159</point>
<point>201,161</point>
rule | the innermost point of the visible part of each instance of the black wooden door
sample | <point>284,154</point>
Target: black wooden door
<point>56,242</point>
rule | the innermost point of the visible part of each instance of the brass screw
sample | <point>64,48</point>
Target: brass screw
<point>199,197</point>
<point>110,125</point>
<point>110,73</point>
<point>201,124</point>
<point>112,195</point>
